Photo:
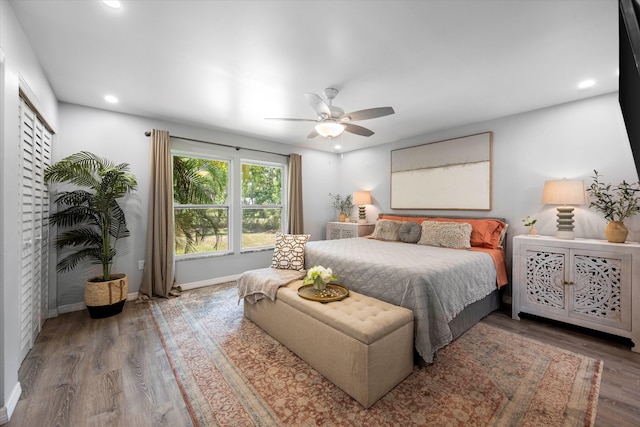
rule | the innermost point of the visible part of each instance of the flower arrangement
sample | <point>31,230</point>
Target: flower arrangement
<point>342,205</point>
<point>319,276</point>
<point>615,203</point>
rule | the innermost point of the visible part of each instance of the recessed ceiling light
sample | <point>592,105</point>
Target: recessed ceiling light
<point>112,3</point>
<point>586,84</point>
<point>110,99</point>
<point>337,146</point>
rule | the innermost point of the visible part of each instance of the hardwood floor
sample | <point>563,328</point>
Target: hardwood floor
<point>99,372</point>
<point>114,372</point>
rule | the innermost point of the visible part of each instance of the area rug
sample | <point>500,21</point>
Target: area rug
<point>231,373</point>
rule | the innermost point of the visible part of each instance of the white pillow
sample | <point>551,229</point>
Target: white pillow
<point>289,251</point>
<point>455,235</point>
<point>387,229</point>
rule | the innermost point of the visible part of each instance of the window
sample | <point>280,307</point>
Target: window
<point>226,205</point>
<point>201,205</point>
<point>262,204</point>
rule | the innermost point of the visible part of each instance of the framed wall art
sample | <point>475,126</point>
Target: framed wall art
<point>454,174</point>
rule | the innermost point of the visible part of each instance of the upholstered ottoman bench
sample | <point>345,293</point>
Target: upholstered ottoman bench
<point>361,344</point>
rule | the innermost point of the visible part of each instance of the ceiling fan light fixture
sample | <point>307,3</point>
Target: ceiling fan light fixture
<point>330,129</point>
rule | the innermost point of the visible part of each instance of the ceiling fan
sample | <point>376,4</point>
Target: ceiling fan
<point>332,121</point>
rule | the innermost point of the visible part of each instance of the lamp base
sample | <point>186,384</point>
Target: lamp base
<point>565,223</point>
<point>567,235</point>
<point>362,215</point>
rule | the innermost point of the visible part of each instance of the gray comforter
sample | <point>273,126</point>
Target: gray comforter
<point>435,283</point>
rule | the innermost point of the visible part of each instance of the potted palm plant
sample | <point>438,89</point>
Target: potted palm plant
<point>616,204</point>
<point>91,221</point>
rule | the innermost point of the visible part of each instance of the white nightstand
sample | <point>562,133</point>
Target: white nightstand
<point>585,282</point>
<point>347,230</point>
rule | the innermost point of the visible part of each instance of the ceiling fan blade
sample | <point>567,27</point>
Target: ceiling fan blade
<point>313,134</point>
<point>358,130</point>
<point>369,113</point>
<point>318,104</point>
<point>290,120</point>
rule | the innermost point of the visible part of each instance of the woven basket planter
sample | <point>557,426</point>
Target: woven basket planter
<point>104,299</point>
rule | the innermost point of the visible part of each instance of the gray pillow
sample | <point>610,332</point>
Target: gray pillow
<point>387,229</point>
<point>410,232</point>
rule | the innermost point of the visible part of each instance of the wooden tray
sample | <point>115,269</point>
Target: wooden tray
<point>332,293</point>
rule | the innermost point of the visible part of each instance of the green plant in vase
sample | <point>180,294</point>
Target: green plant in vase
<point>615,203</point>
<point>530,222</point>
<point>343,205</point>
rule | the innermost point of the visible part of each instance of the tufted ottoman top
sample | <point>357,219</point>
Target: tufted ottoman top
<point>361,317</point>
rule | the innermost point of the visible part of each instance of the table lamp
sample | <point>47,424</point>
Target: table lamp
<point>361,198</point>
<point>564,192</point>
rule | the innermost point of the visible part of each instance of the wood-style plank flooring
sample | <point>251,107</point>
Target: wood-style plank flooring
<point>114,372</point>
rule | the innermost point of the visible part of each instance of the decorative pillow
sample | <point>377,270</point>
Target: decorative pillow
<point>289,251</point>
<point>410,232</point>
<point>387,230</point>
<point>455,235</point>
<point>486,233</point>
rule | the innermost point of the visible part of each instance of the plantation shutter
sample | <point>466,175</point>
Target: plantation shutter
<point>33,196</point>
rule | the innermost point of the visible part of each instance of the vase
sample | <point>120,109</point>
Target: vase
<point>616,232</point>
<point>341,217</point>
<point>533,232</point>
<point>320,285</point>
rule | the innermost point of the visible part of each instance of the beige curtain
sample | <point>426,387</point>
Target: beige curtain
<point>296,222</point>
<point>159,264</point>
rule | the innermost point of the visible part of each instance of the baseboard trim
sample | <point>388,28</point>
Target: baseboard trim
<point>12,402</point>
<point>79,306</point>
<point>209,282</point>
<point>68,308</point>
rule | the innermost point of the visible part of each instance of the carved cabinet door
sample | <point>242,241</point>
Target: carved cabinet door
<point>601,287</point>
<point>545,277</point>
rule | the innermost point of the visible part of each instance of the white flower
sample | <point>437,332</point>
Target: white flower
<point>319,274</point>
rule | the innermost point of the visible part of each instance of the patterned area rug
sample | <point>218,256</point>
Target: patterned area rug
<point>233,373</point>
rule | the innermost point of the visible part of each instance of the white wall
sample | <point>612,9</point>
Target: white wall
<point>120,137</point>
<point>568,140</point>
<point>19,68</point>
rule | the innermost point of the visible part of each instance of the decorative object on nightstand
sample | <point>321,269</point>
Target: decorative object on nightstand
<point>344,206</point>
<point>530,222</point>
<point>616,204</point>
<point>362,198</point>
<point>564,192</point>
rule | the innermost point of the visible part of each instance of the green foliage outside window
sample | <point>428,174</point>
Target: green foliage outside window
<point>200,194</point>
<point>262,204</point>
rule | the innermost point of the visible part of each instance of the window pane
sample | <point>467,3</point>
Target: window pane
<point>259,227</point>
<point>199,181</point>
<point>200,230</point>
<point>261,185</point>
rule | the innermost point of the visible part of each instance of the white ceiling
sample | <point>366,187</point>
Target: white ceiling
<point>229,64</point>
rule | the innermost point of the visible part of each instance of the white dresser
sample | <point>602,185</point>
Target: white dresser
<point>584,282</point>
<point>347,230</point>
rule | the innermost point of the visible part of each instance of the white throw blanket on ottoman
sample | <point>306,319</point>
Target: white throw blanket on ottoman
<point>253,285</point>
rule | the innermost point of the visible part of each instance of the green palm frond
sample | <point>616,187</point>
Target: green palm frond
<point>90,218</point>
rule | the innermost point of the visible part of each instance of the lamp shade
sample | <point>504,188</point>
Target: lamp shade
<point>564,192</point>
<point>361,198</point>
<point>329,129</point>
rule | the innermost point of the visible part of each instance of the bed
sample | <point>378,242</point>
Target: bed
<point>448,289</point>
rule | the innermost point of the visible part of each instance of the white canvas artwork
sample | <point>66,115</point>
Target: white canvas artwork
<point>450,174</point>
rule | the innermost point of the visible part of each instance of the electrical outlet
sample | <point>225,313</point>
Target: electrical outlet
<point>141,264</point>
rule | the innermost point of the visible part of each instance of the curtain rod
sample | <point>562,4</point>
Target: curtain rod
<point>237,148</point>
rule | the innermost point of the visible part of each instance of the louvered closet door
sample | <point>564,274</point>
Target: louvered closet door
<point>35,156</point>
